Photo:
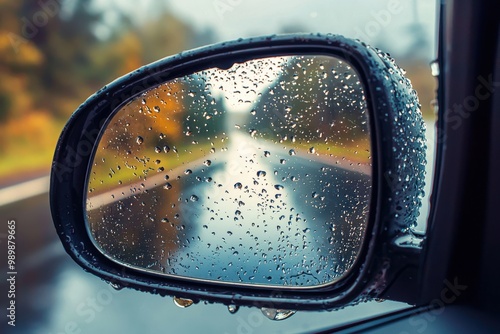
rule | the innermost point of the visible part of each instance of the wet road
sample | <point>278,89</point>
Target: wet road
<point>54,295</point>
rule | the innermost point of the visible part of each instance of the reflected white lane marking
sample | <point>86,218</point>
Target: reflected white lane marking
<point>24,190</point>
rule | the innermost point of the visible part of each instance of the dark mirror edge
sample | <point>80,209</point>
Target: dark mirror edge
<point>371,274</point>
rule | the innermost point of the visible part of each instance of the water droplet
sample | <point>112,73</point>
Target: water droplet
<point>189,133</point>
<point>238,185</point>
<point>193,198</point>
<point>312,150</point>
<point>282,161</point>
<point>116,286</point>
<point>267,154</point>
<point>188,171</point>
<point>167,186</point>
<point>277,314</point>
<point>157,149</point>
<point>207,162</point>
<point>183,302</point>
<point>166,148</point>
<point>261,173</point>
<point>278,187</point>
<point>139,140</point>
<point>233,309</point>
<point>292,152</point>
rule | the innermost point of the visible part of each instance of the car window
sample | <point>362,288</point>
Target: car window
<point>55,54</point>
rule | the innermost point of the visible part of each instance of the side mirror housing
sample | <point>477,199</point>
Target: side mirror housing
<point>282,172</point>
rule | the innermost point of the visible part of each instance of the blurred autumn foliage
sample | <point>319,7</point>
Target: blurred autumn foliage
<point>53,55</point>
<point>56,53</point>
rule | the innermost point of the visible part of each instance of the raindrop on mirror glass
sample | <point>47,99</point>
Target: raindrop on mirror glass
<point>233,309</point>
<point>116,286</point>
<point>139,140</point>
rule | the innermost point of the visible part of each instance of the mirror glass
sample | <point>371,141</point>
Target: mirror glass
<point>259,174</point>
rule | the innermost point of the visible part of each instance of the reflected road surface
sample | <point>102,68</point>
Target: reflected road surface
<point>274,219</point>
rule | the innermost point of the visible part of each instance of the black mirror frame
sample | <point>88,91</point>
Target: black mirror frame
<point>398,168</point>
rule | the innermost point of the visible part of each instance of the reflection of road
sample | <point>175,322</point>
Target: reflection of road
<point>266,216</point>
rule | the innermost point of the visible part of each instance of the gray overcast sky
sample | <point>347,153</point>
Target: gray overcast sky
<point>383,23</point>
<point>374,21</point>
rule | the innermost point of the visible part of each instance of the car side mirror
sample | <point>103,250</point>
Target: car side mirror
<point>283,172</point>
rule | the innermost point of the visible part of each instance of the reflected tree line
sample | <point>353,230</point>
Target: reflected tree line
<point>316,101</point>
